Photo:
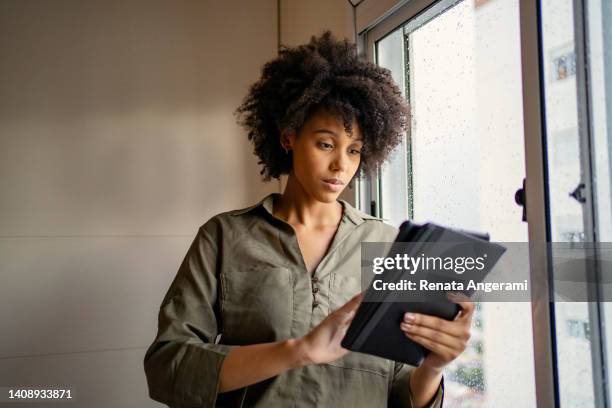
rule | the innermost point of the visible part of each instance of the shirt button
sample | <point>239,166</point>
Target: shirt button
<point>315,290</point>
<point>315,279</point>
<point>315,304</point>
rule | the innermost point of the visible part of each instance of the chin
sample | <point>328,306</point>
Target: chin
<point>328,196</point>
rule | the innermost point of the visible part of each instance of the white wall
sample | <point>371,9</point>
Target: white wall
<point>302,19</point>
<point>117,141</point>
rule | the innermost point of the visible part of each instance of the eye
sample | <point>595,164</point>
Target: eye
<point>325,145</point>
<point>355,151</point>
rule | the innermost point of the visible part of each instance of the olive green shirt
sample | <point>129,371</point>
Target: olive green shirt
<point>244,281</point>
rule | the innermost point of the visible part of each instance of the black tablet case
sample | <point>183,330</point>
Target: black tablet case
<point>375,327</point>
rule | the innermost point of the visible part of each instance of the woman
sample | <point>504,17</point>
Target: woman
<point>257,310</point>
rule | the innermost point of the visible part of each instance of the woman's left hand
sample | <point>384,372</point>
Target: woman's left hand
<point>445,339</point>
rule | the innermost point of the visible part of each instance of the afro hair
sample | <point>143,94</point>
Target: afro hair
<point>325,73</point>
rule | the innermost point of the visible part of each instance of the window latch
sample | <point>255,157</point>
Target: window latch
<point>521,199</point>
<point>578,193</point>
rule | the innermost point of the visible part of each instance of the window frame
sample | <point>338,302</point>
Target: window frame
<point>589,208</point>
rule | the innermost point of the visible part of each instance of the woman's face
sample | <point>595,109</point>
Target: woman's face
<point>325,157</point>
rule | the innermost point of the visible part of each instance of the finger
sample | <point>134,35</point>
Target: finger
<point>348,317</point>
<point>454,328</point>
<point>352,304</point>
<point>467,306</point>
<point>458,296</point>
<point>348,310</point>
<point>443,351</point>
<point>452,342</point>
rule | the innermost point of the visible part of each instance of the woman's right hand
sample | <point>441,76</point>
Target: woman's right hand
<point>322,344</point>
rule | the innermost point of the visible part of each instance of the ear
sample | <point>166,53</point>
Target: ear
<point>287,139</point>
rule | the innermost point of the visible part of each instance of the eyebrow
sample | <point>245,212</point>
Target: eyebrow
<point>331,132</point>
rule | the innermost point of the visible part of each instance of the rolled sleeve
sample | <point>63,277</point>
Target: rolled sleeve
<point>183,363</point>
<point>401,397</point>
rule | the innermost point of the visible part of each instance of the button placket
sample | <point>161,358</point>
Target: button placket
<point>315,289</point>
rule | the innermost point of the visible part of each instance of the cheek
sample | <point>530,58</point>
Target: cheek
<point>304,165</point>
<point>355,164</point>
<point>312,162</point>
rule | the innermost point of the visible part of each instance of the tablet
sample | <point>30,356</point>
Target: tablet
<point>375,328</point>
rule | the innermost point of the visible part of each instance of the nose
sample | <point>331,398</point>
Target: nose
<point>340,162</point>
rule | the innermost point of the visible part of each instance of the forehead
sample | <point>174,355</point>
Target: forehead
<point>323,119</point>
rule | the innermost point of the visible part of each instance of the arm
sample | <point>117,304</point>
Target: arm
<point>247,365</point>
<point>425,384</point>
<point>183,362</point>
<point>401,395</point>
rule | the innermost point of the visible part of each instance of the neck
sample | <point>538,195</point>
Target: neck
<point>296,207</point>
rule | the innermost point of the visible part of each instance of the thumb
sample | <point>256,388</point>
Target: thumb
<point>349,309</point>
<point>354,302</point>
<point>349,316</point>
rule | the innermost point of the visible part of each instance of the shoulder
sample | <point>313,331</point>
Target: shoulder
<point>378,227</point>
<point>373,225</point>
<point>230,222</point>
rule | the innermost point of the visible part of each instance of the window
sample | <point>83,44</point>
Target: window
<point>577,147</point>
<point>502,90</point>
<point>458,64</point>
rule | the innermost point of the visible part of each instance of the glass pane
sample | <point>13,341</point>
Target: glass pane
<point>575,375</point>
<point>459,65</point>
<point>394,186</point>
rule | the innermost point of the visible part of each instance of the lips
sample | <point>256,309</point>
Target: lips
<point>334,181</point>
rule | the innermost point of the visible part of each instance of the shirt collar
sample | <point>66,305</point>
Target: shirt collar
<point>351,213</point>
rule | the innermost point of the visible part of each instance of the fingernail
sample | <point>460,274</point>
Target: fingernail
<point>407,326</point>
<point>409,317</point>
